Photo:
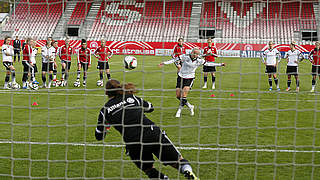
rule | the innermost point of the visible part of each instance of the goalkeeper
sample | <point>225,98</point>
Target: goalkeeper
<point>143,139</point>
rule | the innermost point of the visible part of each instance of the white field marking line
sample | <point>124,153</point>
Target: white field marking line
<point>179,147</point>
<point>164,90</point>
<point>101,95</point>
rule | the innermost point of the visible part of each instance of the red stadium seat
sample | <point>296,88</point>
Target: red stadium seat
<point>142,20</point>
<point>79,13</point>
<point>31,18</point>
<point>248,20</point>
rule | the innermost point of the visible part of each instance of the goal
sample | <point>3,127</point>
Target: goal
<point>240,129</point>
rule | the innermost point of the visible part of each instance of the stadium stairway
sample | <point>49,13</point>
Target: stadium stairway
<point>193,33</point>
<point>80,13</point>
<point>60,30</point>
<point>316,12</point>
<point>88,23</point>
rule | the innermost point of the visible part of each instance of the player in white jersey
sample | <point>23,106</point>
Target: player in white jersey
<point>46,66</point>
<point>271,58</point>
<point>293,57</point>
<point>52,53</point>
<point>186,76</point>
<point>55,81</point>
<point>33,55</point>
<point>7,53</point>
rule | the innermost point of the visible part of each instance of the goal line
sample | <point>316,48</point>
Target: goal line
<point>179,147</point>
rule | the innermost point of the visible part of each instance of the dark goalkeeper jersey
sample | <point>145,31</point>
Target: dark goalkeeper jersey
<point>126,115</point>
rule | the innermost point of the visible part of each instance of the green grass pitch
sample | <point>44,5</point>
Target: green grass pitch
<point>265,135</point>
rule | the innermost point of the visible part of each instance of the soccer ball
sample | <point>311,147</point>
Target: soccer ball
<point>99,83</point>
<point>61,83</point>
<point>130,62</point>
<point>33,86</point>
<point>55,83</point>
<point>76,84</point>
<point>14,85</point>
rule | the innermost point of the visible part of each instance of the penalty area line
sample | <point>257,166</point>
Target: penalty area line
<point>211,98</point>
<point>178,147</point>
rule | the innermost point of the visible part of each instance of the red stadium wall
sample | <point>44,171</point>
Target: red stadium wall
<point>165,48</point>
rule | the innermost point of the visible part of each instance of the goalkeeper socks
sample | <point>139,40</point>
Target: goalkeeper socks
<point>270,82</point>
<point>78,74</point>
<point>108,76</point>
<point>13,76</point>
<point>205,79</point>
<point>101,75</point>
<point>289,83</point>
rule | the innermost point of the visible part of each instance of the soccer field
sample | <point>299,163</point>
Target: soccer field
<point>255,134</point>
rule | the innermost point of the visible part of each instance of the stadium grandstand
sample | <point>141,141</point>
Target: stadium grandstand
<point>227,21</point>
<point>70,69</point>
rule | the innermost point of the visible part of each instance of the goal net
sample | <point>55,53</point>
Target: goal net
<point>240,129</point>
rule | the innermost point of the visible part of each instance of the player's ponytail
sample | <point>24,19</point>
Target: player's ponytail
<point>130,88</point>
<point>113,88</point>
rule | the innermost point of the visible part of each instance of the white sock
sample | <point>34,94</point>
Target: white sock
<point>188,104</point>
<point>24,84</point>
<point>179,109</point>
